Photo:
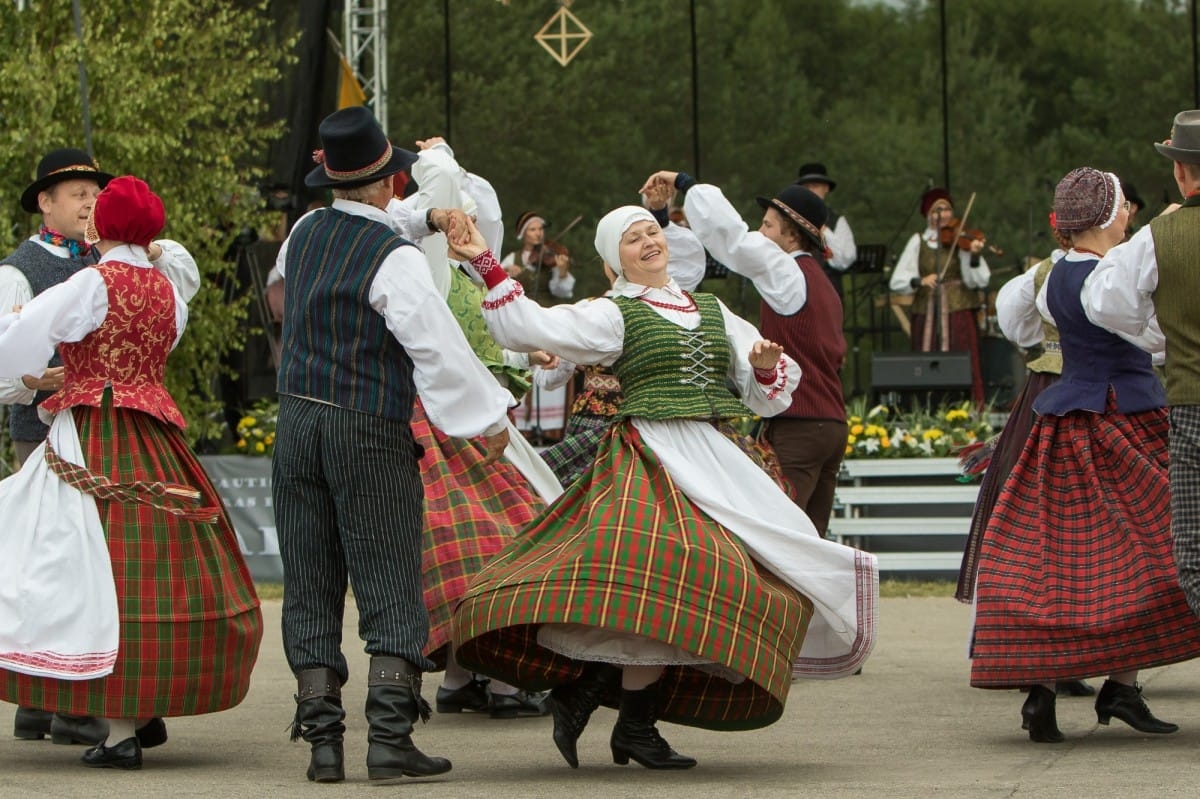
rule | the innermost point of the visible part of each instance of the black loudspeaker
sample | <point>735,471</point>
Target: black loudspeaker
<point>907,371</point>
<point>1003,371</point>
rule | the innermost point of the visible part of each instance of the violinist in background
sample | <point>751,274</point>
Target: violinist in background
<point>943,310</point>
<point>542,267</point>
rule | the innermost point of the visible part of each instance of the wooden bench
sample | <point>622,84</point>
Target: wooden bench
<point>866,511</point>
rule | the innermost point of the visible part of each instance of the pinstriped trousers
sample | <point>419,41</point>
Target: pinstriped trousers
<point>1184,472</point>
<point>349,504</point>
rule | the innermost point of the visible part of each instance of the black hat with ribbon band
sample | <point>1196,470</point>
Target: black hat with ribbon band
<point>58,166</point>
<point>803,207</point>
<point>356,152</point>
<point>815,173</point>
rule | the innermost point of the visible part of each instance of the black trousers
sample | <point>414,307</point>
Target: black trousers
<point>349,504</point>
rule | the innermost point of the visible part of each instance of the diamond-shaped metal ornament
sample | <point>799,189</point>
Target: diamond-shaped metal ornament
<point>567,38</point>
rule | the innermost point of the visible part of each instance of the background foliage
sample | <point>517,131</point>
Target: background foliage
<point>188,94</point>
<point>177,94</point>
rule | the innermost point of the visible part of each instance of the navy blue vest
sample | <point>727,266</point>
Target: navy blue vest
<point>42,269</point>
<point>1093,358</point>
<point>336,347</point>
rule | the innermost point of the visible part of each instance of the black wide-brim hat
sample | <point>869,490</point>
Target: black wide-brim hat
<point>803,207</point>
<point>815,173</point>
<point>60,165</point>
<point>355,152</point>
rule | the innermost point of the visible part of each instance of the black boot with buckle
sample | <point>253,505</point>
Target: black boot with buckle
<point>319,721</point>
<point>573,703</point>
<point>636,737</point>
<point>1039,717</point>
<point>394,704</point>
<point>1126,703</point>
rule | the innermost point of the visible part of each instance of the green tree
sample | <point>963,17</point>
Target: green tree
<point>175,90</point>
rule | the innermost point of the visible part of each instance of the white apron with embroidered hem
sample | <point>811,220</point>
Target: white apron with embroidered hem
<point>58,601</point>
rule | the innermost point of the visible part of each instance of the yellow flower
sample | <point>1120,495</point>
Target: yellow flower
<point>855,419</point>
<point>930,435</point>
<point>246,421</point>
<point>241,443</point>
<point>259,447</point>
<point>856,430</point>
<point>849,449</point>
<point>885,442</point>
<point>956,414</point>
<point>851,439</point>
<point>270,439</point>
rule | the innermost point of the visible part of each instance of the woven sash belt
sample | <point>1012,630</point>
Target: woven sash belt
<point>155,494</point>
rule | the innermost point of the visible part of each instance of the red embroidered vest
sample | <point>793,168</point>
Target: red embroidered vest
<point>128,351</point>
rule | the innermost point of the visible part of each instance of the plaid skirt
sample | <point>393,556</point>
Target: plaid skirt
<point>471,512</point>
<point>624,550</point>
<point>571,457</point>
<point>1076,576</point>
<point>190,625</point>
<point>1008,449</point>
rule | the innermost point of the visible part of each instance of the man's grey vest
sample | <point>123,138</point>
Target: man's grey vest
<point>42,269</point>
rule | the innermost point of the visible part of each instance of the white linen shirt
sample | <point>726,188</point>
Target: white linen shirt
<point>175,262</point>
<point>908,265</point>
<point>461,397</point>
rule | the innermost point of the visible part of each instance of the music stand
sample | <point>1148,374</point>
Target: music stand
<point>865,274</point>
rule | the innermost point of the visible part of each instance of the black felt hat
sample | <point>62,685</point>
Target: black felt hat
<point>815,173</point>
<point>355,152</point>
<point>801,206</point>
<point>60,165</point>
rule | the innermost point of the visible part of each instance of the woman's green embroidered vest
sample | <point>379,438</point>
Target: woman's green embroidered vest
<point>464,300</point>
<point>668,372</point>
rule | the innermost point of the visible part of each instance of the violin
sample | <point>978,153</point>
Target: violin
<point>953,234</point>
<point>548,252</point>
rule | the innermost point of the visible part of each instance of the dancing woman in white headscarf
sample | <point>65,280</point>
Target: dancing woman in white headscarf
<point>676,558</point>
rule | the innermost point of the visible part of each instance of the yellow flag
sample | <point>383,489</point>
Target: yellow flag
<point>349,91</point>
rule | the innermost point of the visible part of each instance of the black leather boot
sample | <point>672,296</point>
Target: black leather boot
<point>394,704</point>
<point>78,730</point>
<point>1038,716</point>
<point>1126,703</point>
<point>573,703</point>
<point>31,724</point>
<point>636,737</point>
<point>319,717</point>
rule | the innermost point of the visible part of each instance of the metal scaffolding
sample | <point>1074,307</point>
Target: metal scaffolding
<point>364,39</point>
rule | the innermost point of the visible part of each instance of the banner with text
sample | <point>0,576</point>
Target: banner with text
<point>244,484</point>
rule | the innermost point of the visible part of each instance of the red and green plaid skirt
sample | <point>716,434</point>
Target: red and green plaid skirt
<point>1076,575</point>
<point>624,550</point>
<point>190,625</point>
<point>471,512</point>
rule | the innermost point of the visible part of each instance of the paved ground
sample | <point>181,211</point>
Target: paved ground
<point>909,726</point>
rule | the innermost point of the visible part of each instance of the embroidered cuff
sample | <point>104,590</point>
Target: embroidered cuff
<point>778,382</point>
<point>489,269</point>
<point>504,299</point>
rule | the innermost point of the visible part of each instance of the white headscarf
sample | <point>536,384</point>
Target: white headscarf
<point>608,237</point>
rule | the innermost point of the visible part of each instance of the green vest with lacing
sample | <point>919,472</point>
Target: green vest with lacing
<point>668,372</point>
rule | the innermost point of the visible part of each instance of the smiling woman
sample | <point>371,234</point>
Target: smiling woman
<point>670,501</point>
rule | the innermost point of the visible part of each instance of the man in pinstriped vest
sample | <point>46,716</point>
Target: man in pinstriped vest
<point>363,330</point>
